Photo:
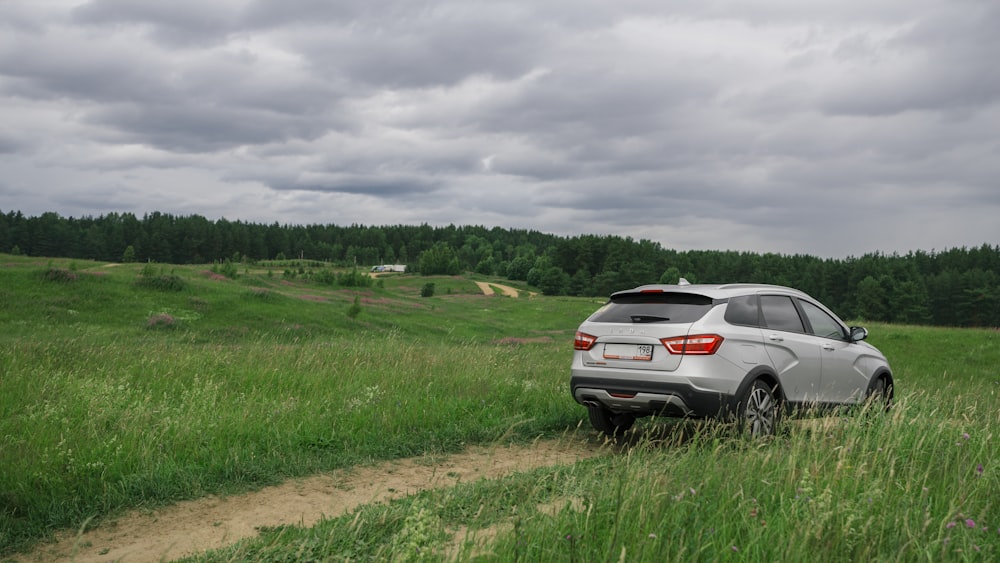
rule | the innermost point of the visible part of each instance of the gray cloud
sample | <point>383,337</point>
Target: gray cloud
<point>830,128</point>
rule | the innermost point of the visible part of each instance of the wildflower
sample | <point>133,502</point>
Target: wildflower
<point>951,525</point>
<point>970,523</point>
<point>652,536</point>
<point>965,435</point>
<point>979,469</point>
<point>693,492</point>
<point>736,549</point>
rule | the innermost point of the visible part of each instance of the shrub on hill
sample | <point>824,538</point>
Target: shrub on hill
<point>150,278</point>
<point>325,277</point>
<point>60,275</point>
<point>354,278</point>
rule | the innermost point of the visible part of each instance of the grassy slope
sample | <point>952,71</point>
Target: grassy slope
<point>104,405</point>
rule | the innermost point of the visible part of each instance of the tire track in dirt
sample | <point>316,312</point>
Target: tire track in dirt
<point>213,522</point>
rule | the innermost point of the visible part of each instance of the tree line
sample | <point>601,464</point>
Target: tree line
<point>954,287</point>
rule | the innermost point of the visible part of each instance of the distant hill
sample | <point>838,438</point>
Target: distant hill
<point>957,287</point>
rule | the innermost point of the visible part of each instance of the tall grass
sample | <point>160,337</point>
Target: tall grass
<point>899,487</point>
<point>257,379</point>
<point>115,394</point>
<point>96,427</point>
<point>921,483</point>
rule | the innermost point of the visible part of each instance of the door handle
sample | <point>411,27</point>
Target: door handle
<point>776,337</point>
<point>828,347</point>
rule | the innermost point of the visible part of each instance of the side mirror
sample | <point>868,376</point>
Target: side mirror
<point>858,333</point>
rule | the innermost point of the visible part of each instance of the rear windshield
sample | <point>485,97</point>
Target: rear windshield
<point>653,308</point>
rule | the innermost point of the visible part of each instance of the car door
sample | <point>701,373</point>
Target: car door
<point>794,353</point>
<point>841,381</point>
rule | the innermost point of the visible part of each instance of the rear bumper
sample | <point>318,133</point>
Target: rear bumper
<point>644,398</point>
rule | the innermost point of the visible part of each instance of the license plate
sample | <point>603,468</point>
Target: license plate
<point>643,352</point>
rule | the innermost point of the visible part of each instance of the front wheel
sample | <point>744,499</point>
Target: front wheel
<point>760,410</point>
<point>880,395</point>
<point>608,422</point>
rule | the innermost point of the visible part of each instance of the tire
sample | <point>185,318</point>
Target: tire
<point>608,422</point>
<point>760,410</point>
<point>880,395</point>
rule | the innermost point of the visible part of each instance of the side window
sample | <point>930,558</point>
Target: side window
<point>743,310</point>
<point>780,313</point>
<point>822,324</point>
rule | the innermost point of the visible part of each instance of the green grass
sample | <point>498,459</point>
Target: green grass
<point>116,394</point>
<point>921,483</point>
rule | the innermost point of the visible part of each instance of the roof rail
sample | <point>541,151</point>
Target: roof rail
<point>759,285</point>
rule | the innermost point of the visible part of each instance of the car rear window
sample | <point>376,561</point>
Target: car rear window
<point>653,308</point>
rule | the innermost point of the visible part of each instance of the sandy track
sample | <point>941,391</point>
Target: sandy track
<point>487,289</point>
<point>212,522</point>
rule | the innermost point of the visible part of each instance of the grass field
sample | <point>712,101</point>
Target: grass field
<point>125,386</point>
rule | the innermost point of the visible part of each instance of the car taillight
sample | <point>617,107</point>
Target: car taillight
<point>583,341</point>
<point>698,344</point>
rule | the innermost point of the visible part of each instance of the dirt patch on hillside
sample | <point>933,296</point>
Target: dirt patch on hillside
<point>213,276</point>
<point>488,289</point>
<point>213,522</point>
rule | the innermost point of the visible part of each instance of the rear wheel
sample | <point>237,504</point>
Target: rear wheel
<point>760,410</point>
<point>608,422</point>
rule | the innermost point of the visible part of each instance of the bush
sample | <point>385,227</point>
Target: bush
<point>149,279</point>
<point>60,275</point>
<point>129,255</point>
<point>355,309</point>
<point>228,269</point>
<point>354,278</point>
<point>325,276</point>
<point>427,290</point>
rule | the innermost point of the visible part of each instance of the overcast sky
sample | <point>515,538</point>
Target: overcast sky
<point>830,127</point>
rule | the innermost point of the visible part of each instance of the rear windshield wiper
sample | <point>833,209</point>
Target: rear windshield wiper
<point>648,319</point>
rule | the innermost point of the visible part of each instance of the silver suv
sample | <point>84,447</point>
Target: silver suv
<point>739,351</point>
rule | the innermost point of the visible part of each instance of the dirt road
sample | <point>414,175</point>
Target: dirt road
<point>209,523</point>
